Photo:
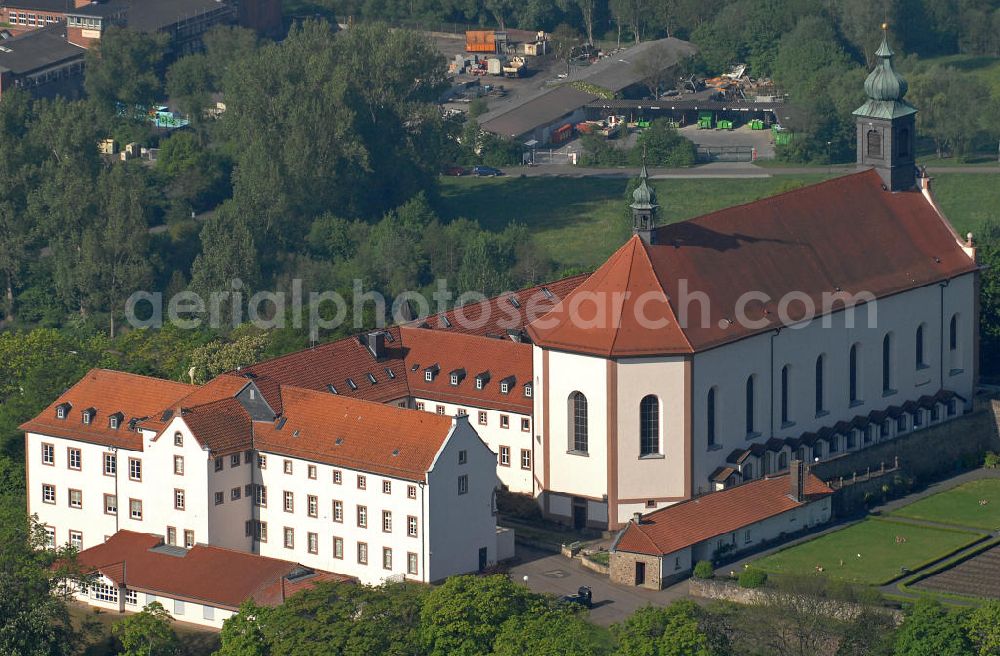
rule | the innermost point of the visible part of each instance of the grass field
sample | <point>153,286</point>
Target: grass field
<point>881,555</point>
<point>960,506</point>
<point>579,222</point>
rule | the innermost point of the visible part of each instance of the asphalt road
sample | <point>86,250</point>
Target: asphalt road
<point>713,170</point>
<point>558,575</point>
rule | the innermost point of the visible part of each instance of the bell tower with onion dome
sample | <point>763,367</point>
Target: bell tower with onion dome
<point>644,208</point>
<point>886,124</point>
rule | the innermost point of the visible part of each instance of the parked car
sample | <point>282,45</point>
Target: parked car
<point>455,170</point>
<point>483,171</point>
<point>584,596</point>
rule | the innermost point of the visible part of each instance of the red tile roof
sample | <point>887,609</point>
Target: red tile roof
<point>220,387</point>
<point>843,234</point>
<point>691,522</point>
<point>223,426</point>
<point>501,359</point>
<point>221,577</point>
<point>108,392</point>
<point>604,315</point>
<point>512,311</point>
<point>373,437</point>
<point>334,363</point>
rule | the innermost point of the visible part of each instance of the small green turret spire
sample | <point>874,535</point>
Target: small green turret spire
<point>644,206</point>
<point>885,87</point>
<point>886,126</point>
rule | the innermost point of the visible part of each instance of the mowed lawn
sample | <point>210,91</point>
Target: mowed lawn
<point>881,556</point>
<point>960,506</point>
<point>579,222</point>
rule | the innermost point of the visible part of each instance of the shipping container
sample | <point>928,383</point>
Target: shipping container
<point>480,41</point>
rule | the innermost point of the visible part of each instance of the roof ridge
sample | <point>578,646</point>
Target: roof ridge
<point>767,199</point>
<point>628,280</point>
<point>121,372</point>
<point>666,296</point>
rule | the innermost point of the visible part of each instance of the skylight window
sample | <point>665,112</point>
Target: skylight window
<point>352,384</point>
<point>548,294</point>
<point>445,321</point>
<point>332,389</point>
<point>513,301</point>
<point>372,379</point>
<point>390,373</point>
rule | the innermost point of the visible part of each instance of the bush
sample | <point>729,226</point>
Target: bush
<point>752,578</point>
<point>478,107</point>
<point>518,506</point>
<point>703,570</point>
<point>992,460</point>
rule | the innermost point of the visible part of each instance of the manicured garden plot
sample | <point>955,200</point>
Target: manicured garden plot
<point>871,552</point>
<point>975,504</point>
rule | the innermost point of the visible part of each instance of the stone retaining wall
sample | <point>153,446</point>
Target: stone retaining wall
<point>728,591</point>
<point>925,455</point>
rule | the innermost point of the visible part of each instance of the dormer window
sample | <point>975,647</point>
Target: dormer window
<point>479,383</point>
<point>456,376</point>
<point>482,379</point>
<point>454,379</point>
<point>115,420</point>
<point>506,384</point>
<point>62,410</point>
<point>430,372</point>
<point>527,390</point>
<point>88,415</point>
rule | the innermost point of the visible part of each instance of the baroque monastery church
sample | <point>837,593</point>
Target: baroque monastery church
<point>380,455</point>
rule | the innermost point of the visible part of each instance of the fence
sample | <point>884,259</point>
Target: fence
<point>869,474</point>
<point>548,156</point>
<point>725,154</point>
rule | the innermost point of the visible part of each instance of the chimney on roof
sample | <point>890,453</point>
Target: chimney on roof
<point>797,478</point>
<point>376,344</point>
<point>637,518</point>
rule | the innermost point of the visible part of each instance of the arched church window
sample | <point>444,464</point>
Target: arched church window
<point>578,421</point>
<point>874,139</point>
<point>649,426</point>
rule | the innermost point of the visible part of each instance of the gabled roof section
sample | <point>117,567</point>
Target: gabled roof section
<point>217,389</point>
<point>214,575</point>
<point>620,310</point>
<point>108,392</point>
<point>222,426</point>
<point>506,314</point>
<point>454,352</point>
<point>371,437</point>
<point>334,363</point>
<point>844,236</point>
<point>694,521</point>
